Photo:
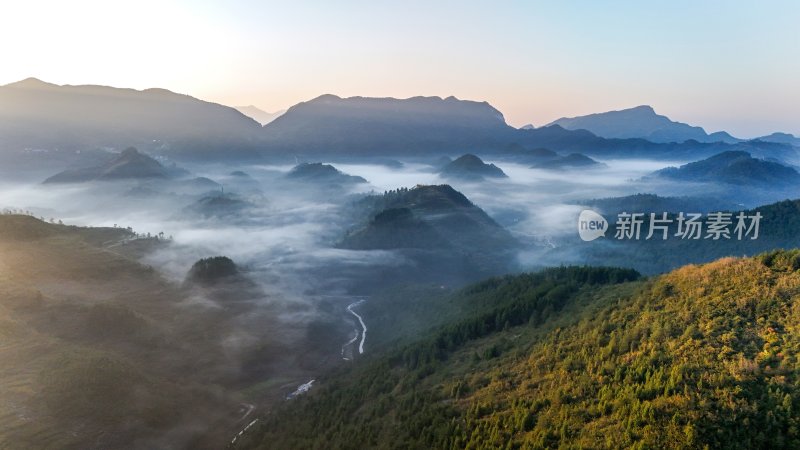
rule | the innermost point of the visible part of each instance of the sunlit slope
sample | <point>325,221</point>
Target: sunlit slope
<point>703,356</point>
<point>96,350</point>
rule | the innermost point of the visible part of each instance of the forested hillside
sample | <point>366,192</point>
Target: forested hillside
<point>100,351</point>
<point>703,357</point>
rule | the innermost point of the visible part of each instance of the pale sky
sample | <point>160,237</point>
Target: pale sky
<point>731,65</point>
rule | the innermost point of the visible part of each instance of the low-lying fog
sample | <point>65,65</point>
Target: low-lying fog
<point>285,236</point>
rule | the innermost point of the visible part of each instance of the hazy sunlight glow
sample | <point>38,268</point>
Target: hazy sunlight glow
<point>722,66</point>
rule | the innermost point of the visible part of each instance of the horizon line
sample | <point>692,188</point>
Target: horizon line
<point>443,98</point>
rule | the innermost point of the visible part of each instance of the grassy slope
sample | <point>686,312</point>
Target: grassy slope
<point>703,356</point>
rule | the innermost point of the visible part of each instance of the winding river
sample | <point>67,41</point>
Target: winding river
<point>362,332</point>
<point>305,387</point>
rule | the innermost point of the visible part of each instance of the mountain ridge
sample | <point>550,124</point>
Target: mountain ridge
<point>36,114</point>
<point>641,122</point>
<point>472,168</point>
<point>734,167</point>
<point>43,116</point>
<point>436,227</point>
<point>361,124</point>
<point>578,357</point>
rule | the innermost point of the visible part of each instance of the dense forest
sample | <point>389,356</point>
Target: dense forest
<point>443,234</point>
<point>98,350</point>
<point>702,357</point>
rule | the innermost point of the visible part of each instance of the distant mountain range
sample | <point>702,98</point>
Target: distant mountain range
<point>372,126</point>
<point>781,138</point>
<point>35,114</point>
<point>360,126</point>
<point>643,122</point>
<point>39,121</point>
<point>556,138</point>
<point>258,114</point>
<point>544,158</point>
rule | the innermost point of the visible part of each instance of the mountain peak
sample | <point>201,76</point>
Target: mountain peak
<point>162,91</point>
<point>641,122</point>
<point>31,83</point>
<point>471,167</point>
<point>735,167</point>
<point>469,158</point>
<point>325,98</point>
<point>129,152</point>
<point>730,154</point>
<point>322,173</point>
<point>642,108</point>
<point>781,138</point>
<point>39,114</point>
<point>130,164</point>
<point>435,227</point>
<point>571,161</point>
